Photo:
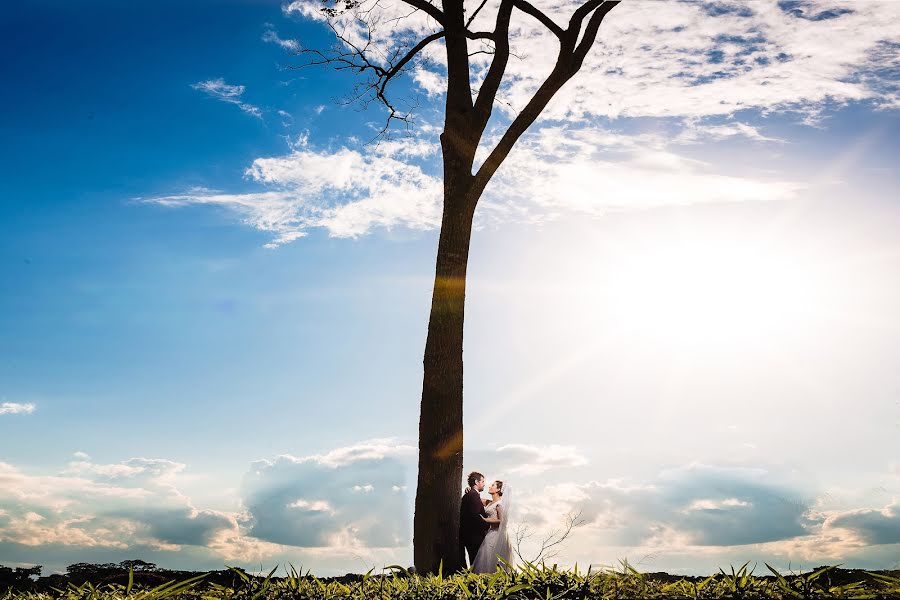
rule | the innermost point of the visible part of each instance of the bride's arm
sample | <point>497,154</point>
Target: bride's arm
<point>497,520</point>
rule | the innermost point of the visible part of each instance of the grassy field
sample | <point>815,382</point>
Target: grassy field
<point>525,582</point>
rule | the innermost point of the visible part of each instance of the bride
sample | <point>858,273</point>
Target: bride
<point>496,542</point>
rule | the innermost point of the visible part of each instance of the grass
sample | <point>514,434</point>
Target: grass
<point>525,582</point>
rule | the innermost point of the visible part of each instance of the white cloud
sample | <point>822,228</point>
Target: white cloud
<point>57,492</point>
<point>218,89</point>
<point>677,59</point>
<point>336,506</point>
<point>705,516</point>
<point>33,529</point>
<point>705,65</point>
<point>346,192</point>
<point>307,9</point>
<point>377,449</point>
<point>134,472</point>
<point>697,132</point>
<point>276,212</point>
<point>592,171</point>
<point>347,497</point>
<point>17,408</point>
<point>872,526</point>
<point>553,171</point>
<point>703,505</point>
<point>695,59</point>
<point>234,545</point>
<point>288,44</point>
<point>709,504</point>
<point>431,83</point>
<point>312,505</point>
<point>353,494</point>
<point>532,460</point>
<point>117,505</point>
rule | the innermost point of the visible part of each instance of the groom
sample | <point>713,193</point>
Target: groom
<point>472,528</point>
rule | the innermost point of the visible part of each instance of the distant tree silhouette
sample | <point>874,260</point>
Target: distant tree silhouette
<point>138,566</point>
<point>440,465</point>
<point>145,575</point>
<point>18,578</point>
<point>144,572</point>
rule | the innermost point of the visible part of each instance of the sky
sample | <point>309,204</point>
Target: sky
<point>681,311</point>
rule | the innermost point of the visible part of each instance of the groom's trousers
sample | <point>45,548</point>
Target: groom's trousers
<point>471,548</point>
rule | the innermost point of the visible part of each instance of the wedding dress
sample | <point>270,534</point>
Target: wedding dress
<point>496,541</point>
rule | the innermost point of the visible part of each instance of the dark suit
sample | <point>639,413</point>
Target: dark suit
<point>472,528</point>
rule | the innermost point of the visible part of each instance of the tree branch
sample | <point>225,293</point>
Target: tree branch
<point>469,118</point>
<point>551,542</point>
<point>523,120</point>
<point>433,11</point>
<point>475,14</point>
<point>567,64</point>
<point>480,35</point>
<point>529,9</point>
<point>458,101</point>
<point>396,68</point>
<point>579,15</point>
<point>590,34</point>
<point>350,56</point>
<point>484,103</point>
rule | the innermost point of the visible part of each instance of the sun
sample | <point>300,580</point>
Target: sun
<point>701,289</point>
<point>703,293</point>
<point>674,299</point>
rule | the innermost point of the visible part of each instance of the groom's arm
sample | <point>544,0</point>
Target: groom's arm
<point>474,505</point>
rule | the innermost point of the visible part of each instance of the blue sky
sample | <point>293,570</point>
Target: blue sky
<point>680,314</point>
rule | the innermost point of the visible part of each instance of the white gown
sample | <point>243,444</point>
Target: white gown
<point>495,544</point>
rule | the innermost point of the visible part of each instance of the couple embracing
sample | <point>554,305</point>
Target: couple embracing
<point>483,525</point>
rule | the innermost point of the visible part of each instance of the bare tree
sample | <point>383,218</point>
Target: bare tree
<point>551,543</point>
<point>466,117</point>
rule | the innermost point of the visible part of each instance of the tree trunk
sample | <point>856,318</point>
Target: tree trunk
<point>436,523</point>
